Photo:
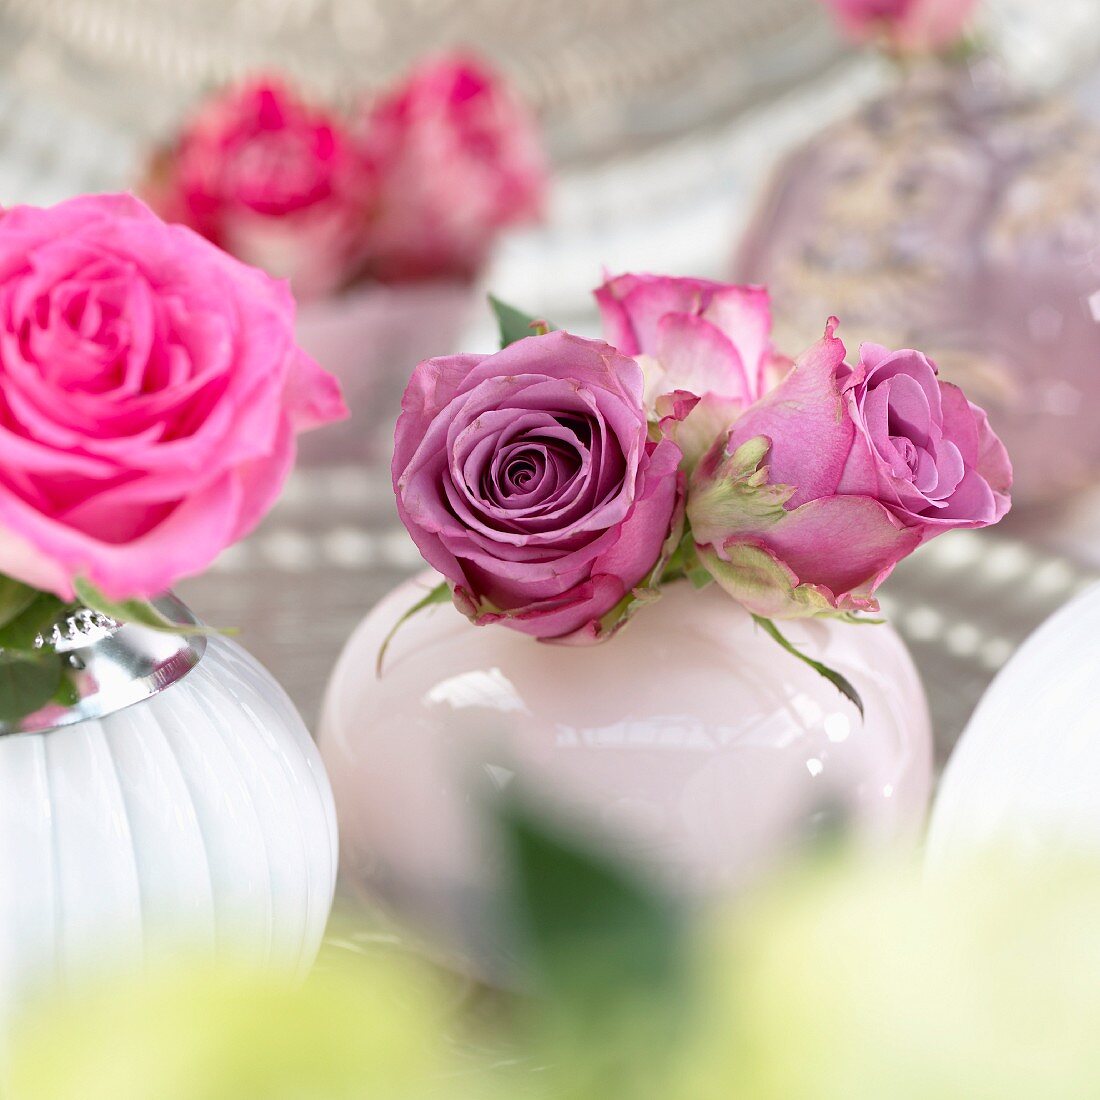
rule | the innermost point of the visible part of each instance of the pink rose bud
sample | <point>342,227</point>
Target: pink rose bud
<point>272,180</point>
<point>906,26</point>
<point>693,337</point>
<point>459,159</point>
<point>151,391</point>
<point>528,479</point>
<point>836,475</point>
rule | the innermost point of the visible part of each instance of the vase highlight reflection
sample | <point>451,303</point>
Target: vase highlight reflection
<point>701,750</point>
<point>177,804</point>
<point>960,217</point>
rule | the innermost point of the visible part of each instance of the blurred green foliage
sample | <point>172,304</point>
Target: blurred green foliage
<point>842,980</point>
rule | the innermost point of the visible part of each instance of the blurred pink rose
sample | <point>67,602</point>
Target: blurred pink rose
<point>272,180</point>
<point>458,159</point>
<point>528,479</point>
<point>836,475</point>
<point>693,337</point>
<point>150,391</point>
<point>908,26</point>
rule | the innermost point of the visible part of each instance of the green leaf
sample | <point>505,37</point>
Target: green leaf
<point>138,612</point>
<point>15,598</point>
<point>843,685</point>
<point>27,683</point>
<point>607,954</point>
<point>35,619</point>
<point>589,924</point>
<point>514,324</point>
<point>66,694</point>
<point>441,593</point>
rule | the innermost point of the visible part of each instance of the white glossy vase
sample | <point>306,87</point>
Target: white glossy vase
<point>702,750</point>
<point>178,806</point>
<point>1025,775</point>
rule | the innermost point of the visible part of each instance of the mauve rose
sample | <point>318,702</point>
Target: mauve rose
<point>528,479</point>
<point>458,160</point>
<point>920,446</point>
<point>907,26</point>
<point>837,474</point>
<point>150,390</point>
<point>693,336</point>
<point>273,180</point>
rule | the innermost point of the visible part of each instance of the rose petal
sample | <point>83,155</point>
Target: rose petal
<point>804,417</point>
<point>700,359</point>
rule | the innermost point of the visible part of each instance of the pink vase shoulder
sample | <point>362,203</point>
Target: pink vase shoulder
<point>691,742</point>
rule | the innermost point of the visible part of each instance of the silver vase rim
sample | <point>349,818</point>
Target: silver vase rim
<point>112,665</point>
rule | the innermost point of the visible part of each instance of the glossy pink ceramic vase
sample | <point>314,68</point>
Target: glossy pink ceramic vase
<point>371,337</point>
<point>963,218</point>
<point>690,741</point>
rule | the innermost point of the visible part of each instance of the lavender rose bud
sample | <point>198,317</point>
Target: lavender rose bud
<point>528,479</point>
<point>836,475</point>
<point>921,447</point>
<point>693,337</point>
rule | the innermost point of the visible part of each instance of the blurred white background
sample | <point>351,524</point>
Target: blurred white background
<point>664,119</point>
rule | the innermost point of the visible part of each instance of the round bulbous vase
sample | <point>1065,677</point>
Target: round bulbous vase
<point>1022,780</point>
<point>690,743</point>
<point>961,217</point>
<point>176,805</point>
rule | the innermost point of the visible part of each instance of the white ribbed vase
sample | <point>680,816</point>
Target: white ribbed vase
<point>198,818</point>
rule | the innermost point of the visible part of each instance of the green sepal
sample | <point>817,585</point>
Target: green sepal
<point>515,324</point>
<point>730,493</point>
<point>860,618</point>
<point>441,593</point>
<point>684,563</point>
<point>757,580</point>
<point>841,683</point>
<point>649,589</point>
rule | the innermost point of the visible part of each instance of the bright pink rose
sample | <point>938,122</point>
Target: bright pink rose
<point>272,180</point>
<point>528,479</point>
<point>150,390</point>
<point>459,159</point>
<point>836,475</point>
<point>907,26</point>
<point>693,337</point>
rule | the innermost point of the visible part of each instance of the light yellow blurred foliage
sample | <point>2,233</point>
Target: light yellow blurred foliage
<point>845,981</point>
<point>372,1029</point>
<point>853,982</point>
